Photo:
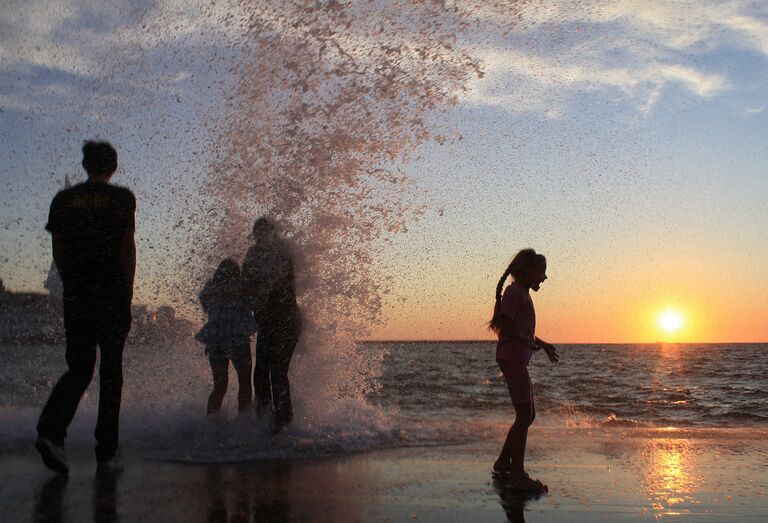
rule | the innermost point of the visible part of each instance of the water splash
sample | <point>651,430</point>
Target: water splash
<point>330,99</point>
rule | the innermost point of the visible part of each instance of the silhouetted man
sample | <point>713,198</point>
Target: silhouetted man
<point>92,227</point>
<point>268,279</point>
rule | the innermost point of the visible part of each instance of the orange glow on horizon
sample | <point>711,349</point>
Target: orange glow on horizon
<point>630,303</point>
<point>629,317</point>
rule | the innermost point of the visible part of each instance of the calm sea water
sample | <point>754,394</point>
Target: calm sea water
<point>425,394</point>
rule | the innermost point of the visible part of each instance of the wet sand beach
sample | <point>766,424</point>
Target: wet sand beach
<point>594,475</point>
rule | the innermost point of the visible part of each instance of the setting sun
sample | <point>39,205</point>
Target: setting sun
<point>670,321</point>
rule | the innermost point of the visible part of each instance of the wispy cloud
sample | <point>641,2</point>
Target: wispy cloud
<point>525,82</point>
<point>88,61</point>
<point>635,49</point>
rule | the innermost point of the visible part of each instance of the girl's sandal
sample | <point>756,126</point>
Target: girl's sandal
<point>516,481</point>
<point>528,484</point>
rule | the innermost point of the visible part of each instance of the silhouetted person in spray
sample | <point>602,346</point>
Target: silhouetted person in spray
<point>92,226</point>
<point>227,334</point>
<point>268,280</point>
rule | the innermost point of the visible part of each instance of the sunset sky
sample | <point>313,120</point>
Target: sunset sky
<point>624,140</point>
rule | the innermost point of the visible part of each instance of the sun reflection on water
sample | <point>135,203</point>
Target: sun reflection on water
<point>671,477</point>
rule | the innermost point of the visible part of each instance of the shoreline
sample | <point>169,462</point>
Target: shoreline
<point>609,475</point>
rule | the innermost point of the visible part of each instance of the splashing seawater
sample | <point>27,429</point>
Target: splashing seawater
<point>329,99</point>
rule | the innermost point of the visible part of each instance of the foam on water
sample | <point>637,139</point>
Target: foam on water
<point>426,394</point>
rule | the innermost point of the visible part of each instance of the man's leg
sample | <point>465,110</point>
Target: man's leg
<point>65,396</point>
<point>111,343</point>
<point>281,388</point>
<point>262,388</point>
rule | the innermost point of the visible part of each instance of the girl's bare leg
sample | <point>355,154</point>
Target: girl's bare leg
<point>512,455</point>
<point>220,371</point>
<point>244,392</point>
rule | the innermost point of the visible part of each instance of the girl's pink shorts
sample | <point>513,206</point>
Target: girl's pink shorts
<point>518,381</point>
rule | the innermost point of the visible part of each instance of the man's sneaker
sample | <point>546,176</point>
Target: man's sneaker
<point>107,459</point>
<point>110,468</point>
<point>53,455</point>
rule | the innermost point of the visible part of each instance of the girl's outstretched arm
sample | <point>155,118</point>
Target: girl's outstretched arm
<point>550,349</point>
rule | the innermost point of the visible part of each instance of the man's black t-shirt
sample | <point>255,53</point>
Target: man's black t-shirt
<point>92,219</point>
<point>268,267</point>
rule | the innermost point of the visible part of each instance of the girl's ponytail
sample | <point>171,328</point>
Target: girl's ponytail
<point>496,319</point>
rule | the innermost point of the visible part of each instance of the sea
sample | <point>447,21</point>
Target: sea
<point>644,385</point>
<point>424,394</point>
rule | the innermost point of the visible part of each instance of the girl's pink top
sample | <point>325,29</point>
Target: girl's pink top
<point>517,305</point>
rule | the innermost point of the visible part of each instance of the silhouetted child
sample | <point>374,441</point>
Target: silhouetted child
<point>227,334</point>
<point>514,320</point>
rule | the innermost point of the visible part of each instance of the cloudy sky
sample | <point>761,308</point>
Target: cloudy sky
<point>624,140</point>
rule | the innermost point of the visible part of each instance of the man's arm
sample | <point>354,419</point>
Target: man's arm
<point>57,245</point>
<point>128,245</point>
<point>128,259</point>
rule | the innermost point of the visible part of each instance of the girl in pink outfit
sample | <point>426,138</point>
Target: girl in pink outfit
<point>514,321</point>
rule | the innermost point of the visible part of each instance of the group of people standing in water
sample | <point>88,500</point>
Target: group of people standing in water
<point>92,228</point>
<point>259,298</point>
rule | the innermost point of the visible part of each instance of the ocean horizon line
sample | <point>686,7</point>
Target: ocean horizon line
<point>426,340</point>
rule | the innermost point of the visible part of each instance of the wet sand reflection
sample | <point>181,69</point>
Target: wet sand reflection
<point>253,492</point>
<point>513,501</point>
<point>671,479</point>
<point>236,494</point>
<point>616,475</point>
<point>49,503</point>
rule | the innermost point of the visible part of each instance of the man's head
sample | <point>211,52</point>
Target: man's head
<point>263,229</point>
<point>99,159</point>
